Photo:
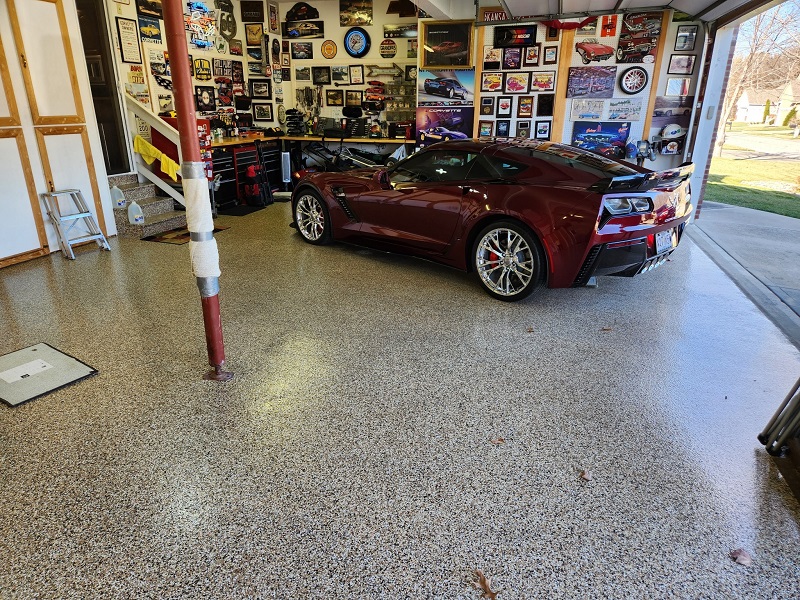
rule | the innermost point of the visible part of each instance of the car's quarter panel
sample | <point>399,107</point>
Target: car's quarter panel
<point>420,215</point>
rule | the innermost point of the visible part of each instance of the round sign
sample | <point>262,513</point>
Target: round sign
<point>388,48</point>
<point>328,48</point>
<point>356,42</point>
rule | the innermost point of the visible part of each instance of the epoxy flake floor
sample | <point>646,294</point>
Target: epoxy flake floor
<point>352,456</point>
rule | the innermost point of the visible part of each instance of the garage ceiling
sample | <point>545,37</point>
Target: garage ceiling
<point>722,11</point>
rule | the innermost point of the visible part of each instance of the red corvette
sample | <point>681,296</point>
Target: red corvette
<point>518,213</point>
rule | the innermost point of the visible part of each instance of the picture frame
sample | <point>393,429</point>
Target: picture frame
<point>531,55</point>
<point>523,129</point>
<point>274,20</point>
<point>253,33</point>
<point>678,86</point>
<point>681,64</point>
<point>503,128</point>
<point>128,35</point>
<point>334,97</point>
<point>204,98</point>
<point>340,74</point>
<point>485,128</point>
<point>504,105</point>
<point>552,34</point>
<point>446,44</point>
<point>588,30</point>
<point>518,82</point>
<point>514,36</point>
<point>543,81</point>
<point>591,82</point>
<point>302,50</point>
<point>525,106</point>
<point>492,81</point>
<point>260,89</point>
<point>262,111</point>
<point>544,105</point>
<point>285,60</point>
<point>512,59</point>
<point>550,56</point>
<point>302,73</point>
<point>542,131</point>
<point>252,11</point>
<point>686,37</point>
<point>353,98</point>
<point>357,74</point>
<point>492,58</point>
<point>487,105</point>
<point>411,73</point>
<point>321,75</point>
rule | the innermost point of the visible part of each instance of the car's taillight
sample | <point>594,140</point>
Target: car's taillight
<point>623,205</point>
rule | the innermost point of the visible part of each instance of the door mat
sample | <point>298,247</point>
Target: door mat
<point>239,210</point>
<point>38,370</point>
<point>177,236</point>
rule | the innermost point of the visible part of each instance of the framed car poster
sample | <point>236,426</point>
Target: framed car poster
<point>446,44</point>
<point>512,59</point>
<point>525,106</point>
<point>492,57</point>
<point>485,128</point>
<point>543,81</point>
<point>517,83</point>
<point>530,58</point>
<point>262,112</point>
<point>492,81</point>
<point>542,130</point>
<point>504,104</point>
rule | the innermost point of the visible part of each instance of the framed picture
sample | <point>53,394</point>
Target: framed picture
<point>492,81</point>
<point>525,106</point>
<point>286,74</point>
<point>261,89</point>
<point>512,59</point>
<point>681,64</point>
<point>678,86</point>
<point>334,97</point>
<point>687,34</point>
<point>487,105</point>
<point>341,74</point>
<point>353,98</point>
<point>517,83</point>
<point>284,60</point>
<point>492,57</point>
<point>591,82</point>
<point>446,44</point>
<point>531,56</point>
<point>357,74</point>
<point>588,30</point>
<point>552,34</point>
<point>273,18</point>
<point>485,128</point>
<point>411,73</point>
<point>128,34</point>
<point>321,75</point>
<point>253,33</point>
<point>514,36</point>
<point>252,10</point>
<point>204,98</point>
<point>544,105</point>
<point>523,129</point>
<point>550,55</point>
<point>503,128</point>
<point>302,50</point>
<point>302,73</point>
<point>543,81</point>
<point>542,130</point>
<point>262,112</point>
<point>504,104</point>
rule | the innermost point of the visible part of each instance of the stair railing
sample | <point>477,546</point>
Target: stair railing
<point>147,171</point>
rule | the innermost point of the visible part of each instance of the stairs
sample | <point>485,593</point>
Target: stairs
<point>159,215</point>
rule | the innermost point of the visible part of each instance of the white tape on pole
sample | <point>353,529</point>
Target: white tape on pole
<point>198,205</point>
<point>205,258</point>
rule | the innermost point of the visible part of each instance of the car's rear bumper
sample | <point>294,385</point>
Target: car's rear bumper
<point>624,258</point>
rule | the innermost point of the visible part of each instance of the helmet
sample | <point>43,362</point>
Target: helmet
<point>672,131</point>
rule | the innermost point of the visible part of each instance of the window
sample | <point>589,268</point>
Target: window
<point>436,165</point>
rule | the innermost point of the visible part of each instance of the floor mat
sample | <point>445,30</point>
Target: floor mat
<point>177,236</point>
<point>38,370</point>
<point>239,210</point>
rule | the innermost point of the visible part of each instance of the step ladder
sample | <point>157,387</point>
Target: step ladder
<point>60,221</point>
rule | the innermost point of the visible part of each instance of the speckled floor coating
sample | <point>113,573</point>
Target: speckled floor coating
<point>351,458</point>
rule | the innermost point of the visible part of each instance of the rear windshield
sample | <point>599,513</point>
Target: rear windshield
<point>574,158</point>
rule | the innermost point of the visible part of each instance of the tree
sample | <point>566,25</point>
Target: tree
<point>792,116</point>
<point>766,111</point>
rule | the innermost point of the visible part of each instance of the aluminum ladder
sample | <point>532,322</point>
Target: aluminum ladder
<point>60,221</point>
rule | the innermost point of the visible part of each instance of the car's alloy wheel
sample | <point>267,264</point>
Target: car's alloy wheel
<point>451,93</point>
<point>508,261</point>
<point>633,80</point>
<point>312,219</point>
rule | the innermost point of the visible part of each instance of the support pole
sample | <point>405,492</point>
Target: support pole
<point>202,245</point>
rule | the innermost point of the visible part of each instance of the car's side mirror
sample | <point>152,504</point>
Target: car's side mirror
<point>381,177</point>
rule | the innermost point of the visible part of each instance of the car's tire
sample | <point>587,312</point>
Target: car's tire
<point>446,138</point>
<point>667,113</point>
<point>508,261</point>
<point>312,218</point>
<point>585,60</point>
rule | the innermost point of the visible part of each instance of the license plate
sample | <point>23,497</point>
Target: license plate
<point>664,241</point>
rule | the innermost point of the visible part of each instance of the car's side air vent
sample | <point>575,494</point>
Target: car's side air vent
<point>341,198</point>
<point>588,267</point>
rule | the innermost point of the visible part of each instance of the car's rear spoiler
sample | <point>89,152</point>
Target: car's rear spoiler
<point>667,180</point>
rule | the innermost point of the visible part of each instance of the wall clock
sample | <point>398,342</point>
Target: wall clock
<point>356,42</point>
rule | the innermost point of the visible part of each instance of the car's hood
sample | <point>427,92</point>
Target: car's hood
<point>596,47</point>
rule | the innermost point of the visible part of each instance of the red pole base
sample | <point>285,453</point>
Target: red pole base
<point>216,348</point>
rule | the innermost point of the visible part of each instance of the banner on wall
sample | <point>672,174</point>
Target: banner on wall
<point>436,124</point>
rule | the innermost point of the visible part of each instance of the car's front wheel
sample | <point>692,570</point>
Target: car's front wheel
<point>312,218</point>
<point>508,261</point>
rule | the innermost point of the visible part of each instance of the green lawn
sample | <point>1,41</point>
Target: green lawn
<point>759,129</point>
<point>736,181</point>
